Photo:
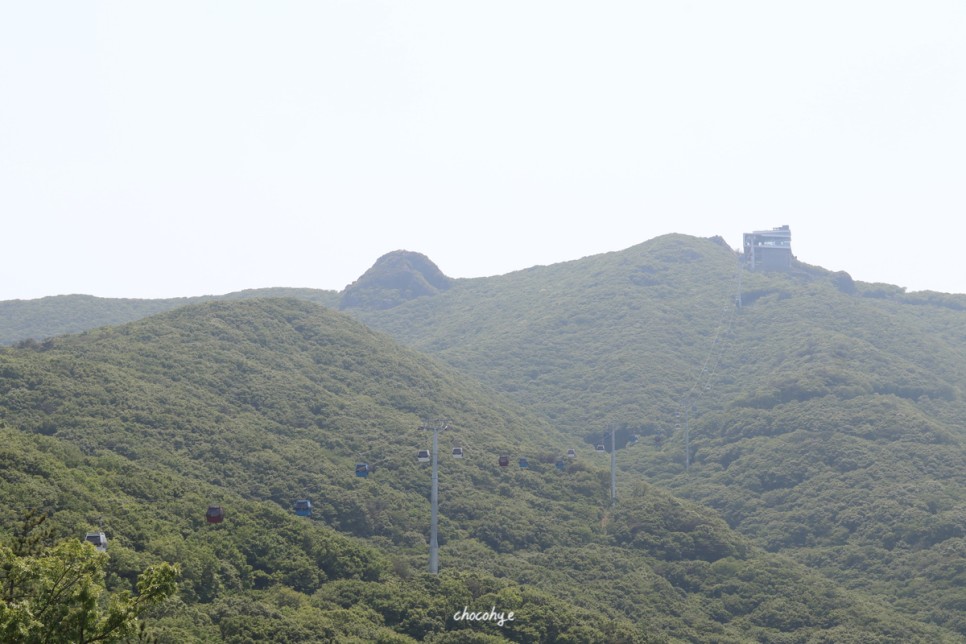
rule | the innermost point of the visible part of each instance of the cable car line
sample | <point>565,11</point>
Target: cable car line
<point>701,383</point>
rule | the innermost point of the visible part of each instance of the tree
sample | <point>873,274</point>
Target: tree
<point>57,594</point>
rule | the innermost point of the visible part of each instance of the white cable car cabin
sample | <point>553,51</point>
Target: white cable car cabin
<point>457,452</point>
<point>99,539</point>
<point>422,456</point>
<point>571,453</point>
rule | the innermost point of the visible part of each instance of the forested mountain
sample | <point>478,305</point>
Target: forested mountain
<point>825,418</point>
<point>47,317</point>
<point>136,429</point>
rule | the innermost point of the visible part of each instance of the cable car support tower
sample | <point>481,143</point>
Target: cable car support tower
<point>613,468</point>
<point>436,428</point>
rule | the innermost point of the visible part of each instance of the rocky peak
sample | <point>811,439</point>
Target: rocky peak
<point>395,278</point>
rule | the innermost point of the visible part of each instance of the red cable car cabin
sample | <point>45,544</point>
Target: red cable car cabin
<point>215,514</point>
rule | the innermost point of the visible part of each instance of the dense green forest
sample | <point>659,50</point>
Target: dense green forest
<point>825,417</point>
<point>820,498</point>
<point>251,405</point>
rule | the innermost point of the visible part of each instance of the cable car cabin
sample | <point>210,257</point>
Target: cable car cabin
<point>600,447</point>
<point>634,438</point>
<point>215,514</point>
<point>303,508</point>
<point>457,452</point>
<point>524,463</point>
<point>99,539</point>
<point>571,453</point>
<point>504,460</point>
<point>362,469</point>
<point>560,464</point>
<point>422,456</point>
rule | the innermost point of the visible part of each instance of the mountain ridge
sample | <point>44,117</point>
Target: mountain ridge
<point>379,287</point>
<point>759,399</point>
<point>820,416</point>
<point>252,404</point>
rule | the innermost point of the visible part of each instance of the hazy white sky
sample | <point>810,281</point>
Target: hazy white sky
<point>159,149</point>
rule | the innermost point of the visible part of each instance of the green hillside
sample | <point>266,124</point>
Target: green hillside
<point>825,417</point>
<point>137,429</point>
<point>47,317</point>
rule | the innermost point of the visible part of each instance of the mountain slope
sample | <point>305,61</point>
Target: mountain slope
<point>823,416</point>
<point>254,404</point>
<point>47,317</point>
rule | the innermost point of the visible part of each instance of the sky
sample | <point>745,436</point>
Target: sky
<point>167,149</point>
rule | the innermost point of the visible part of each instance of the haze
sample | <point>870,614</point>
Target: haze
<point>188,148</point>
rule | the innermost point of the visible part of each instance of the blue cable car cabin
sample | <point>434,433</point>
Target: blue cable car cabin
<point>504,460</point>
<point>99,539</point>
<point>215,514</point>
<point>560,464</point>
<point>422,456</point>
<point>362,469</point>
<point>303,508</point>
<point>524,463</point>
